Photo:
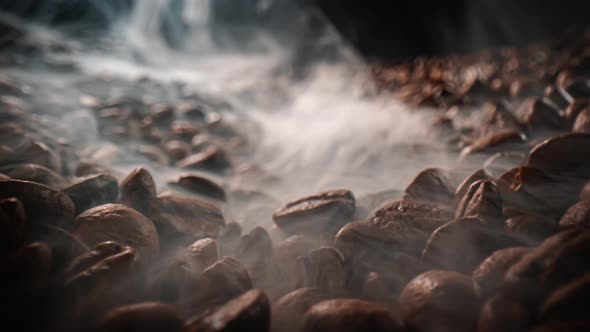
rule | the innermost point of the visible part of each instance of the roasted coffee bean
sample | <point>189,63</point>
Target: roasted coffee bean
<point>138,190</point>
<point>98,253</point>
<point>431,185</point>
<point>114,222</point>
<point>288,311</point>
<point>230,238</point>
<point>568,302</point>
<point>202,254</point>
<point>531,228</point>
<point>576,216</point>
<point>323,269</point>
<point>248,312</point>
<point>558,260</point>
<point>184,131</point>
<point>200,185</point>
<point>12,225</point>
<point>377,288</point>
<point>284,263</point>
<point>575,108</point>
<point>488,277</point>
<point>211,159</point>
<point>87,168</point>
<point>365,205</point>
<point>177,150</point>
<point>502,314</point>
<point>553,96</point>
<point>34,173</point>
<point>563,155</point>
<point>582,123</point>
<point>524,87</point>
<point>163,115</point>
<point>92,191</point>
<point>466,184</point>
<point>255,250</point>
<point>36,153</point>
<point>186,218</point>
<point>148,317</point>
<point>498,118</point>
<point>419,215</point>
<point>540,116</point>
<point>463,244</point>
<point>492,142</point>
<point>64,245</point>
<point>348,315</point>
<point>323,212</point>
<point>564,326</point>
<point>440,301</point>
<point>43,205</point>
<point>482,201</point>
<point>222,281</point>
<point>502,162</point>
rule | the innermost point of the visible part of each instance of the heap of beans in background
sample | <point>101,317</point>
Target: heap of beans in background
<point>503,248</point>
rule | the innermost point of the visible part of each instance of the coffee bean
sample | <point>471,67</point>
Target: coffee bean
<point>493,142</point>
<point>482,201</point>
<point>582,123</point>
<point>502,314</point>
<point>201,186</point>
<point>323,269</point>
<point>255,250</point>
<point>349,315</point>
<point>430,185</point>
<point>574,109</point>
<point>92,191</point>
<point>440,301</point>
<point>177,150</point>
<point>567,303</point>
<point>539,116</point>
<point>248,312</point>
<point>149,316</point>
<point>288,311</point>
<point>322,212</point>
<point>576,216</point>
<point>211,159</point>
<point>202,254</point>
<point>138,190</point>
<point>114,222</point>
<point>97,254</point>
<point>531,228</point>
<point>34,173</point>
<point>502,162</point>
<point>488,277</point>
<point>563,155</point>
<point>466,184</point>
<point>222,281</point>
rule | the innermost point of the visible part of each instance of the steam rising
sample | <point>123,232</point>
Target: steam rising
<point>314,124</point>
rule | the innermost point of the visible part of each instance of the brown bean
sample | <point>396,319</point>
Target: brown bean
<point>202,254</point>
<point>323,212</point>
<point>97,254</point>
<point>563,155</point>
<point>148,317</point>
<point>248,312</point>
<point>540,116</point>
<point>323,269</point>
<point>462,245</point>
<point>502,162</point>
<point>185,218</point>
<point>493,142</point>
<point>37,153</point>
<point>43,205</point>
<point>488,277</point>
<point>567,303</point>
<point>255,250</point>
<point>348,315</point>
<point>177,150</point>
<point>576,216</point>
<point>92,191</point>
<point>12,225</point>
<point>200,185</point>
<point>482,201</point>
<point>531,228</point>
<point>212,159</point>
<point>502,314</point>
<point>114,222</point>
<point>575,108</point>
<point>582,123</point>
<point>138,190</point>
<point>34,173</point>
<point>430,185</point>
<point>466,184</point>
<point>222,281</point>
<point>288,311</point>
<point>440,301</point>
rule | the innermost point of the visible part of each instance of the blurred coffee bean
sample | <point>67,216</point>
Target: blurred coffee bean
<point>466,184</point>
<point>222,281</point>
<point>493,142</point>
<point>502,162</point>
<point>177,150</point>
<point>34,173</point>
<point>576,216</point>
<point>349,315</point>
<point>563,155</point>
<point>503,314</point>
<point>366,204</point>
<point>42,204</point>
<point>185,219</point>
<point>463,244</point>
<point>201,186</point>
<point>430,185</point>
<point>148,317</point>
<point>212,159</point>
<point>539,116</point>
<point>568,302</point>
<point>440,301</point>
<point>114,222</point>
<point>323,269</point>
<point>92,191</point>
<point>574,109</point>
<point>288,311</point>
<point>248,312</point>
<point>582,123</point>
<point>12,225</point>
<point>255,250</point>
<point>89,258</point>
<point>531,228</point>
<point>553,95</point>
<point>488,277</point>
<point>323,212</point>
<point>36,153</point>
<point>138,190</point>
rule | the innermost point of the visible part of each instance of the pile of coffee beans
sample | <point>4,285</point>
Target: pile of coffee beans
<point>497,248</point>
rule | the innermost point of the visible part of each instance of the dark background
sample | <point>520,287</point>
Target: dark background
<point>379,29</point>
